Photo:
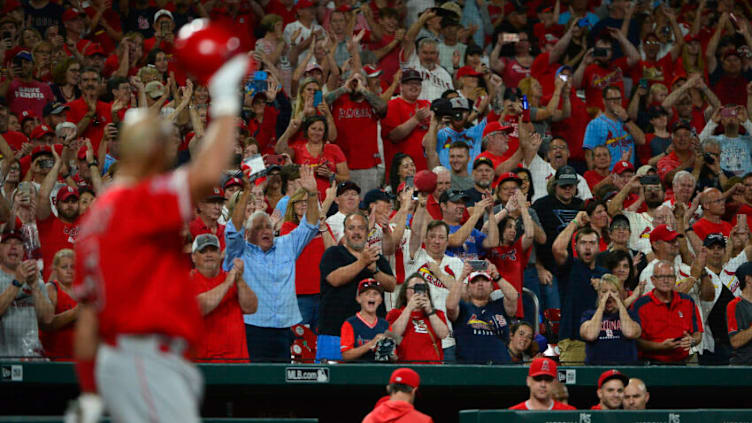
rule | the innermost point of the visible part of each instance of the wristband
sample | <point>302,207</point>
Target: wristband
<point>16,283</point>
<point>431,313</point>
<point>85,373</point>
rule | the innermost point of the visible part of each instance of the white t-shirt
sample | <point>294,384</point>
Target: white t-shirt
<point>640,224</point>
<point>304,34</point>
<point>336,223</point>
<point>435,81</point>
<point>542,172</point>
<point>439,292</point>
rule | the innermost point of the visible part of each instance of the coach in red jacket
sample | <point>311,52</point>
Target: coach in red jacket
<point>398,406</point>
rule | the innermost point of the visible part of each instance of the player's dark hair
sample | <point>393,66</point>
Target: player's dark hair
<point>402,296</point>
<point>613,258</point>
<point>459,144</point>
<point>393,388</point>
<point>609,88</point>
<point>310,120</point>
<point>742,283</point>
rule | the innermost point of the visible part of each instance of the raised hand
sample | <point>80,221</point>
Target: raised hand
<point>308,181</point>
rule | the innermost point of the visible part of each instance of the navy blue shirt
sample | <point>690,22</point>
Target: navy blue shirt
<point>482,333</point>
<point>611,347</point>
<point>356,332</point>
<point>577,295</point>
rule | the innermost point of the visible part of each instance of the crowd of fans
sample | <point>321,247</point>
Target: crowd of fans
<point>479,166</point>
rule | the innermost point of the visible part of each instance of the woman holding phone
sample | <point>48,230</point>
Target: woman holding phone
<point>325,158</point>
<point>421,326</point>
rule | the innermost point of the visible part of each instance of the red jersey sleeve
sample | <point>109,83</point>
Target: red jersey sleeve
<point>346,337</point>
<point>731,320</point>
<point>166,200</point>
<point>696,322</point>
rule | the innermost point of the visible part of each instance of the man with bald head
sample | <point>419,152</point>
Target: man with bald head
<point>268,271</point>
<point>131,241</point>
<point>636,395</point>
<point>714,206</point>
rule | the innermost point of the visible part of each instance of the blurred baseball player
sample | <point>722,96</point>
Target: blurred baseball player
<point>138,316</point>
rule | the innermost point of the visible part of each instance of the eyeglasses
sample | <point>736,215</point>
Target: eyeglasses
<point>664,276</point>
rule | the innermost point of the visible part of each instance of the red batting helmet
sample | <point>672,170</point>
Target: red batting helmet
<point>202,47</point>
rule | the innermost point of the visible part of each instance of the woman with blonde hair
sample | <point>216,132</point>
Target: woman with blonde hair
<point>610,330</point>
<point>304,107</point>
<point>543,116</point>
<point>57,339</point>
<point>307,277</point>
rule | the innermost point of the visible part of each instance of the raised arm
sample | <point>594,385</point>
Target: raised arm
<point>420,221</point>
<point>560,247</point>
<point>206,168</point>
<point>43,202</point>
<point>456,293</point>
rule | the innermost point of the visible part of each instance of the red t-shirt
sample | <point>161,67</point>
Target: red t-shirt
<point>330,157</point>
<point>596,407</point>
<point>198,227</point>
<point>514,72</point>
<point>510,261</point>
<point>398,112</point>
<point>596,78</point>
<point>419,341</point>
<point>697,122</point>
<point>58,344</point>
<point>390,63</point>
<point>276,7</point>
<point>660,71</point>
<point>729,89</point>
<point>667,164</point>
<point>54,235</point>
<point>434,208</point>
<point>573,128</point>
<point>95,130</point>
<point>140,226</point>
<point>357,132</point>
<point>544,72</point>
<point>223,340</point>
<point>307,274</point>
<point>32,96</point>
<point>661,321</point>
<point>557,406</point>
<point>265,132</point>
<point>593,178</point>
<point>100,35</point>
<point>704,227</point>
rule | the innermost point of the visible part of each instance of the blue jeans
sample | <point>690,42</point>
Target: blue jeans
<point>309,310</point>
<point>548,295</point>
<point>450,355</point>
<point>268,344</point>
<point>327,348</point>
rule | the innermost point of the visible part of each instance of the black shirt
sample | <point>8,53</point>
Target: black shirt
<point>338,303</point>
<point>554,217</point>
<point>45,17</point>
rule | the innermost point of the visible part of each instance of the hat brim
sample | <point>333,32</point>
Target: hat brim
<point>542,373</point>
<point>622,377</point>
<point>562,183</point>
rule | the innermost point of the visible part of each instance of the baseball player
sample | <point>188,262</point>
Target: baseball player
<point>540,379</point>
<point>138,317</point>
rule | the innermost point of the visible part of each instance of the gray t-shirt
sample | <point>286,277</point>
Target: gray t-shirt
<point>740,310</point>
<point>19,332</point>
<point>462,183</point>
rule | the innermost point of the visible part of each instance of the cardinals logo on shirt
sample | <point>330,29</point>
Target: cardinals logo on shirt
<point>420,326</point>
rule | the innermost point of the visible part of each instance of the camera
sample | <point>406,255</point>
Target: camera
<point>46,163</point>
<point>420,288</point>
<point>442,107</point>
<point>600,52</point>
<point>649,180</point>
<point>709,159</point>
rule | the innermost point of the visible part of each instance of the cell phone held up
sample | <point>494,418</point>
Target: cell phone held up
<point>510,37</point>
<point>600,52</point>
<point>478,265</point>
<point>420,288</point>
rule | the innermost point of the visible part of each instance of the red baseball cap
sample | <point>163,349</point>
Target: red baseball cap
<point>542,366</point>
<point>81,153</point>
<point>612,374</point>
<point>622,166</point>
<point>509,176</point>
<point>304,4</point>
<point>495,126</point>
<point>663,233</point>
<point>372,71</point>
<point>92,49</point>
<point>40,131</point>
<point>216,194</point>
<point>405,376</point>
<point>425,181</point>
<point>26,114</point>
<point>65,192</point>
<point>11,233</point>
<point>39,150</point>
<point>369,283</point>
<point>232,182</point>
<point>71,14</point>
<point>467,71</point>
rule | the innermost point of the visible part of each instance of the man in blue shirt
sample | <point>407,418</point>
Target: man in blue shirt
<point>614,129</point>
<point>465,241</point>
<point>456,131</point>
<point>270,271</point>
<point>481,325</point>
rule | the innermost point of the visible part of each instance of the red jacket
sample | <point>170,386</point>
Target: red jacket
<point>396,411</point>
